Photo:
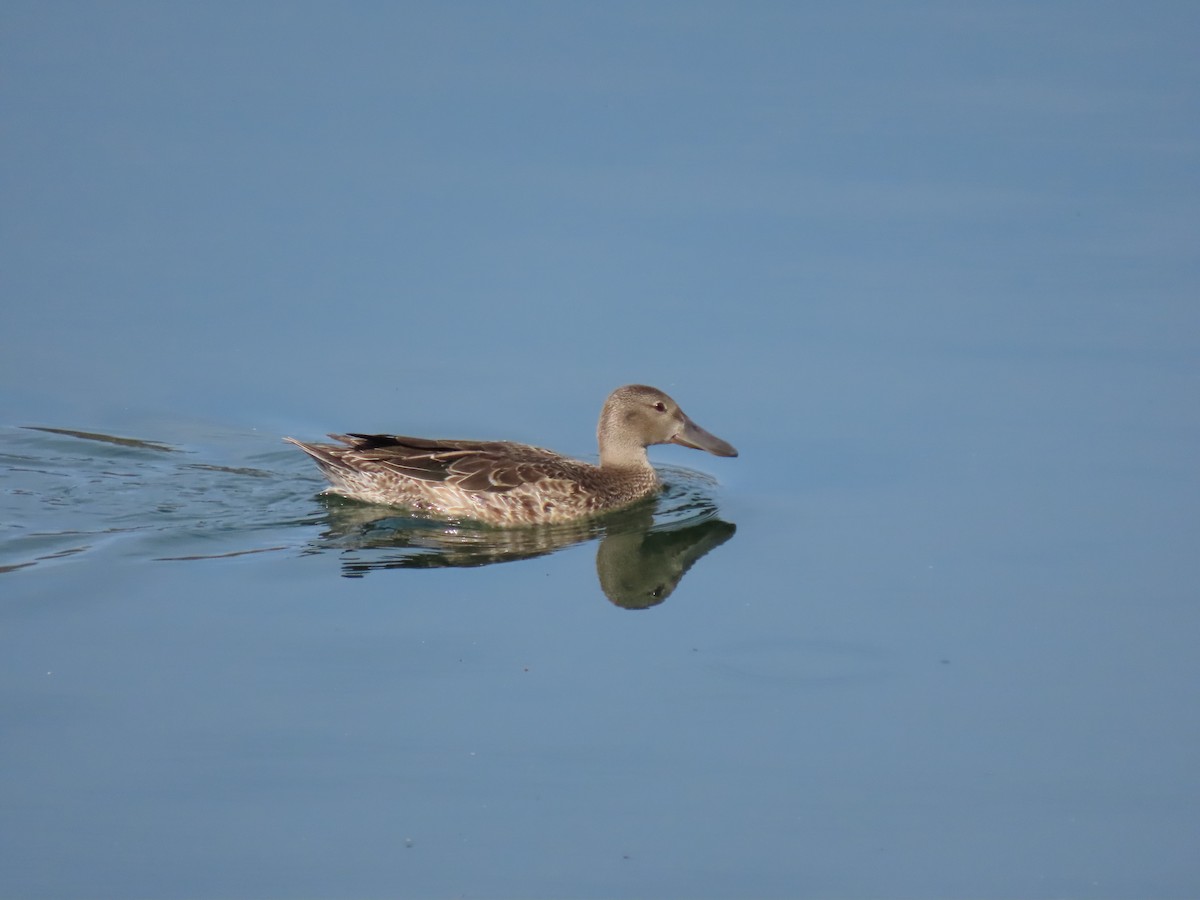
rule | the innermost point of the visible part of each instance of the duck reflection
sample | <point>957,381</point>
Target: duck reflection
<point>639,561</point>
<point>640,569</point>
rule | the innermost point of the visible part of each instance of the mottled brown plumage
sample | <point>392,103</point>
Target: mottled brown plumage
<point>505,483</point>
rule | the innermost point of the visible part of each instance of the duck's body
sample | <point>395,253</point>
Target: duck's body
<point>505,483</point>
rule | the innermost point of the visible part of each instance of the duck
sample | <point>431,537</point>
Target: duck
<point>504,483</point>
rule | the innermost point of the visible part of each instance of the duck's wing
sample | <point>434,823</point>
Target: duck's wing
<point>495,466</point>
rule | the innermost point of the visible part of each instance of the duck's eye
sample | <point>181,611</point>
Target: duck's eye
<point>660,406</point>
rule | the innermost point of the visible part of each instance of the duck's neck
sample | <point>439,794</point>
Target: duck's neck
<point>622,456</point>
<point>618,448</point>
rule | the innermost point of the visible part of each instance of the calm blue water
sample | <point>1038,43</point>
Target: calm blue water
<point>933,271</point>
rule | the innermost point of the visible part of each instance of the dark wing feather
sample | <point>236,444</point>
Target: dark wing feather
<point>495,466</point>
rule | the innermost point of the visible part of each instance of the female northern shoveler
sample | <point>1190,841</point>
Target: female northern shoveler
<point>503,483</point>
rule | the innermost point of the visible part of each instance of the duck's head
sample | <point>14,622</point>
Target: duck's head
<point>636,416</point>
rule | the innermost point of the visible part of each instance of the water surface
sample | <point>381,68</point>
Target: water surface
<point>931,268</point>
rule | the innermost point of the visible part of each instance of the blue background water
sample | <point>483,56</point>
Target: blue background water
<point>931,267</point>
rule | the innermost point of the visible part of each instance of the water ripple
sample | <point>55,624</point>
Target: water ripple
<point>67,493</point>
